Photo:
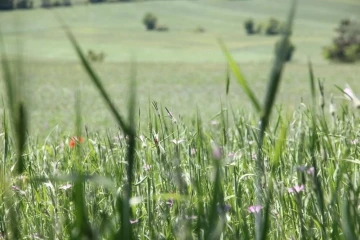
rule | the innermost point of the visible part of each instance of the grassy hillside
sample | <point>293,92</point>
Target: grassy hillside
<point>117,29</point>
<point>189,161</point>
<point>180,69</point>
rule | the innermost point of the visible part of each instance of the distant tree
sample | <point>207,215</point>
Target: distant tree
<point>150,21</point>
<point>24,4</point>
<point>96,1</point>
<point>67,3</point>
<point>345,46</point>
<point>46,4</point>
<point>249,26</point>
<point>274,27</point>
<point>6,4</point>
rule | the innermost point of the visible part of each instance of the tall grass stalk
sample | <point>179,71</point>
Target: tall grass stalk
<point>265,111</point>
<point>14,83</point>
<point>123,202</point>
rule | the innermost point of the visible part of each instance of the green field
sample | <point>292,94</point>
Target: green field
<point>179,69</point>
<point>207,170</point>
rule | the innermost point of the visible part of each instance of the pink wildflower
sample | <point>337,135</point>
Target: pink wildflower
<point>296,189</point>
<point>311,171</point>
<point>254,208</point>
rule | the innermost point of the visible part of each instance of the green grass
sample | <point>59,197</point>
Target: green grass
<point>118,31</point>
<point>188,161</point>
<point>44,210</point>
<point>179,66</point>
<point>117,28</point>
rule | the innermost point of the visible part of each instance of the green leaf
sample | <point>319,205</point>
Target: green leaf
<point>239,76</point>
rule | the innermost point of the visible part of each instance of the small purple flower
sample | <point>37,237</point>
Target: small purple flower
<point>216,151</point>
<point>192,151</point>
<point>231,155</point>
<point>170,202</point>
<point>311,171</point>
<point>254,156</point>
<point>254,208</point>
<point>296,189</point>
<point>308,170</point>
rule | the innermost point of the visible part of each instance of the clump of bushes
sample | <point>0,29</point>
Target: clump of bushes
<point>24,4</point>
<point>346,45</point>
<point>6,5</point>
<point>149,21</point>
<point>13,4</point>
<point>249,26</point>
<point>290,48</point>
<point>56,3</point>
<point>96,1</point>
<point>272,27</point>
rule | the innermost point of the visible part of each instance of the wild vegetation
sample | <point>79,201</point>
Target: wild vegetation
<point>345,46</point>
<point>278,172</point>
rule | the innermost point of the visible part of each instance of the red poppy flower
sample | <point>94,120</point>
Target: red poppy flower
<point>75,140</point>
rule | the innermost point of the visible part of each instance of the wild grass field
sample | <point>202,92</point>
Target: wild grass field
<point>177,157</point>
<point>181,69</point>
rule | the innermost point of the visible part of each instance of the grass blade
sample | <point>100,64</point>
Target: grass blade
<point>239,76</point>
<point>274,81</point>
<point>16,104</point>
<point>312,82</point>
<point>96,80</point>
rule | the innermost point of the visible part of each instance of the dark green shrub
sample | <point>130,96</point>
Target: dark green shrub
<point>150,21</point>
<point>274,27</point>
<point>249,26</point>
<point>56,4</point>
<point>345,46</point>
<point>24,4</point>
<point>290,48</point>
<point>46,4</point>
<point>67,3</point>
<point>6,4</point>
<point>96,1</point>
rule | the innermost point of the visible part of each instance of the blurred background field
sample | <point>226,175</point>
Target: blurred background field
<point>182,69</point>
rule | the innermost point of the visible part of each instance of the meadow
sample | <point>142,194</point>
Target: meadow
<point>149,144</point>
<point>171,66</point>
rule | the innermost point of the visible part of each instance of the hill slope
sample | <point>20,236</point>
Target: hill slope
<point>116,29</point>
